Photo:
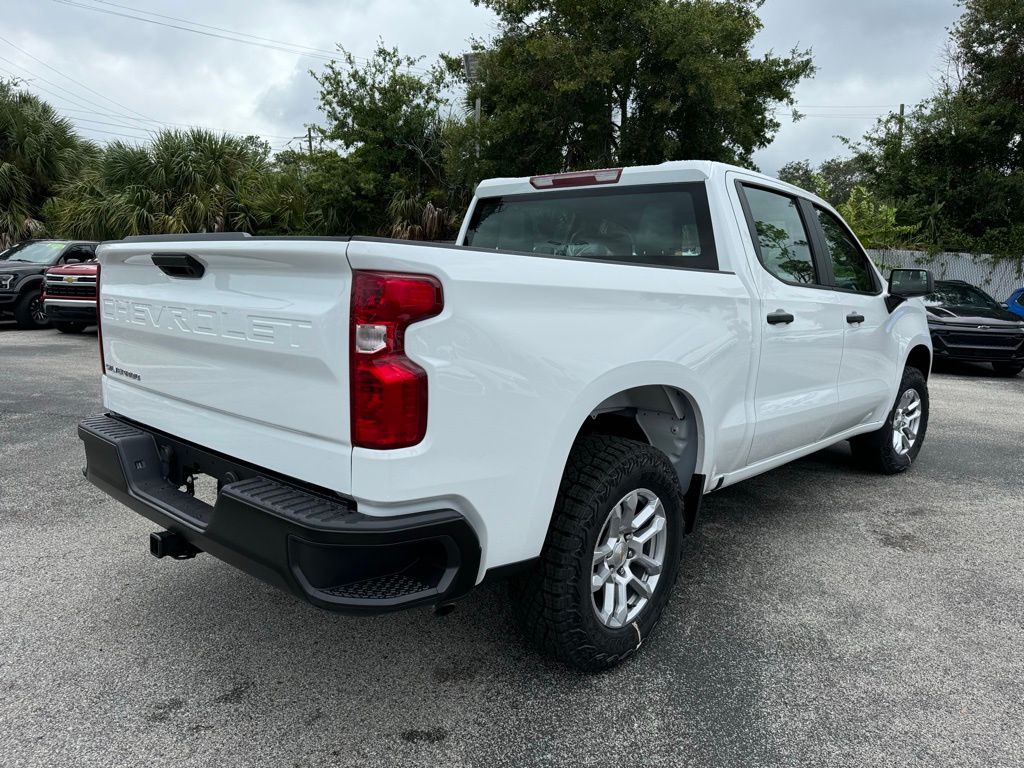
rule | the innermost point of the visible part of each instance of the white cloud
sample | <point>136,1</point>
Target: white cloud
<point>872,52</point>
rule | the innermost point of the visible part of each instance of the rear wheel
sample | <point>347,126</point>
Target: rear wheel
<point>1008,369</point>
<point>69,327</point>
<point>893,448</point>
<point>29,313</point>
<point>611,556</point>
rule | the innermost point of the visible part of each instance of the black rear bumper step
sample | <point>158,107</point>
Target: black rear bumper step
<point>306,542</point>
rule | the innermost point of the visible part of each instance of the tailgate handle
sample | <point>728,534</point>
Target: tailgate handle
<point>179,265</point>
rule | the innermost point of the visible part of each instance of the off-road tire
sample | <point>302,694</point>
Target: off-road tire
<point>875,450</point>
<point>553,601</point>
<point>23,310</point>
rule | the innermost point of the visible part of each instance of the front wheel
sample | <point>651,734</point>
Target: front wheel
<point>611,555</point>
<point>29,313</point>
<point>1007,369</point>
<point>893,448</point>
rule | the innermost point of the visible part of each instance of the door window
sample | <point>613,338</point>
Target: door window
<point>780,236</point>
<point>850,267</point>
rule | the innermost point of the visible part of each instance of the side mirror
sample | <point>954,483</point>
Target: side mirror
<point>906,284</point>
<point>1004,305</point>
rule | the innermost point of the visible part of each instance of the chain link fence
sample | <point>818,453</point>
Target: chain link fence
<point>998,277</point>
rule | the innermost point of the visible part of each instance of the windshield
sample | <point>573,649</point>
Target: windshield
<point>34,253</point>
<point>960,295</point>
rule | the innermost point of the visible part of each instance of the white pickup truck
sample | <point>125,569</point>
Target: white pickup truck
<point>549,398</point>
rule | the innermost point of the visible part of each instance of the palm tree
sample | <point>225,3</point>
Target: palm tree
<point>184,181</point>
<point>39,151</point>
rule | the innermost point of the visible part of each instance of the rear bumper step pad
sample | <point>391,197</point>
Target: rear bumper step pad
<point>315,546</point>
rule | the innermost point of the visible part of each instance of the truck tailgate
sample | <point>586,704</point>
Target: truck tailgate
<point>250,358</point>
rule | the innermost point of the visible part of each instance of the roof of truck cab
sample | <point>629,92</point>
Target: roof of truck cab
<point>665,173</point>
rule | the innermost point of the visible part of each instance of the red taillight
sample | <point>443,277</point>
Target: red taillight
<point>389,391</point>
<point>576,179</point>
<point>99,321</point>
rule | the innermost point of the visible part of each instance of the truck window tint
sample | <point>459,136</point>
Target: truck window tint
<point>850,266</point>
<point>664,225</point>
<point>780,233</point>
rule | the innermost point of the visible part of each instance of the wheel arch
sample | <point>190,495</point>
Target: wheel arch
<point>663,416</point>
<point>30,282</point>
<point>920,357</point>
<point>666,392</point>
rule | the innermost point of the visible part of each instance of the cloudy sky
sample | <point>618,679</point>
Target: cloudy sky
<point>120,68</point>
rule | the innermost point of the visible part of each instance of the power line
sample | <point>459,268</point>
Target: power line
<point>100,122</point>
<point>114,133</point>
<point>846,106</point>
<point>219,29</point>
<point>81,99</point>
<point>71,79</point>
<point>37,87</point>
<point>235,37</point>
<point>187,125</point>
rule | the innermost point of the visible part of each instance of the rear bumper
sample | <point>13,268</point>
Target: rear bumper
<point>308,542</point>
<point>71,310</point>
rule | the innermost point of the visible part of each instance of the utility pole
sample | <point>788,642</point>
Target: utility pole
<point>471,62</point>
<point>899,130</point>
<point>309,137</point>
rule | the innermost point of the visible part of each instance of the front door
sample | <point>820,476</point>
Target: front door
<point>870,351</point>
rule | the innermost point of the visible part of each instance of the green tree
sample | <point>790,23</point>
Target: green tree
<point>874,222</point>
<point>38,151</point>
<point>569,84</point>
<point>184,181</point>
<point>955,164</point>
<point>834,180</point>
<point>385,131</point>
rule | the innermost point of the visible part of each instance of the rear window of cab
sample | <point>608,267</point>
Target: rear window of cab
<point>660,225</point>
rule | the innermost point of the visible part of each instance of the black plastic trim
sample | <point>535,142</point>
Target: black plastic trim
<point>212,237</point>
<point>509,570</point>
<point>692,500</point>
<point>63,313</point>
<point>179,265</point>
<point>314,545</point>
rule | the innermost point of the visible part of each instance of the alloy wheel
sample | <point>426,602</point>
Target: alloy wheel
<point>629,558</point>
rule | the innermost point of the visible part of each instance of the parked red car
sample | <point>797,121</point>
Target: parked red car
<point>69,296</point>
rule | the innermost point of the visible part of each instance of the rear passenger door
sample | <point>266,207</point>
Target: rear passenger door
<point>870,353</point>
<point>802,340</point>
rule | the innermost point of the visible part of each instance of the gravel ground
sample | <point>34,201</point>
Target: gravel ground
<point>824,616</point>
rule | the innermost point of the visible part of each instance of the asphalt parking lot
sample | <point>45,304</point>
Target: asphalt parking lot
<point>824,616</point>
